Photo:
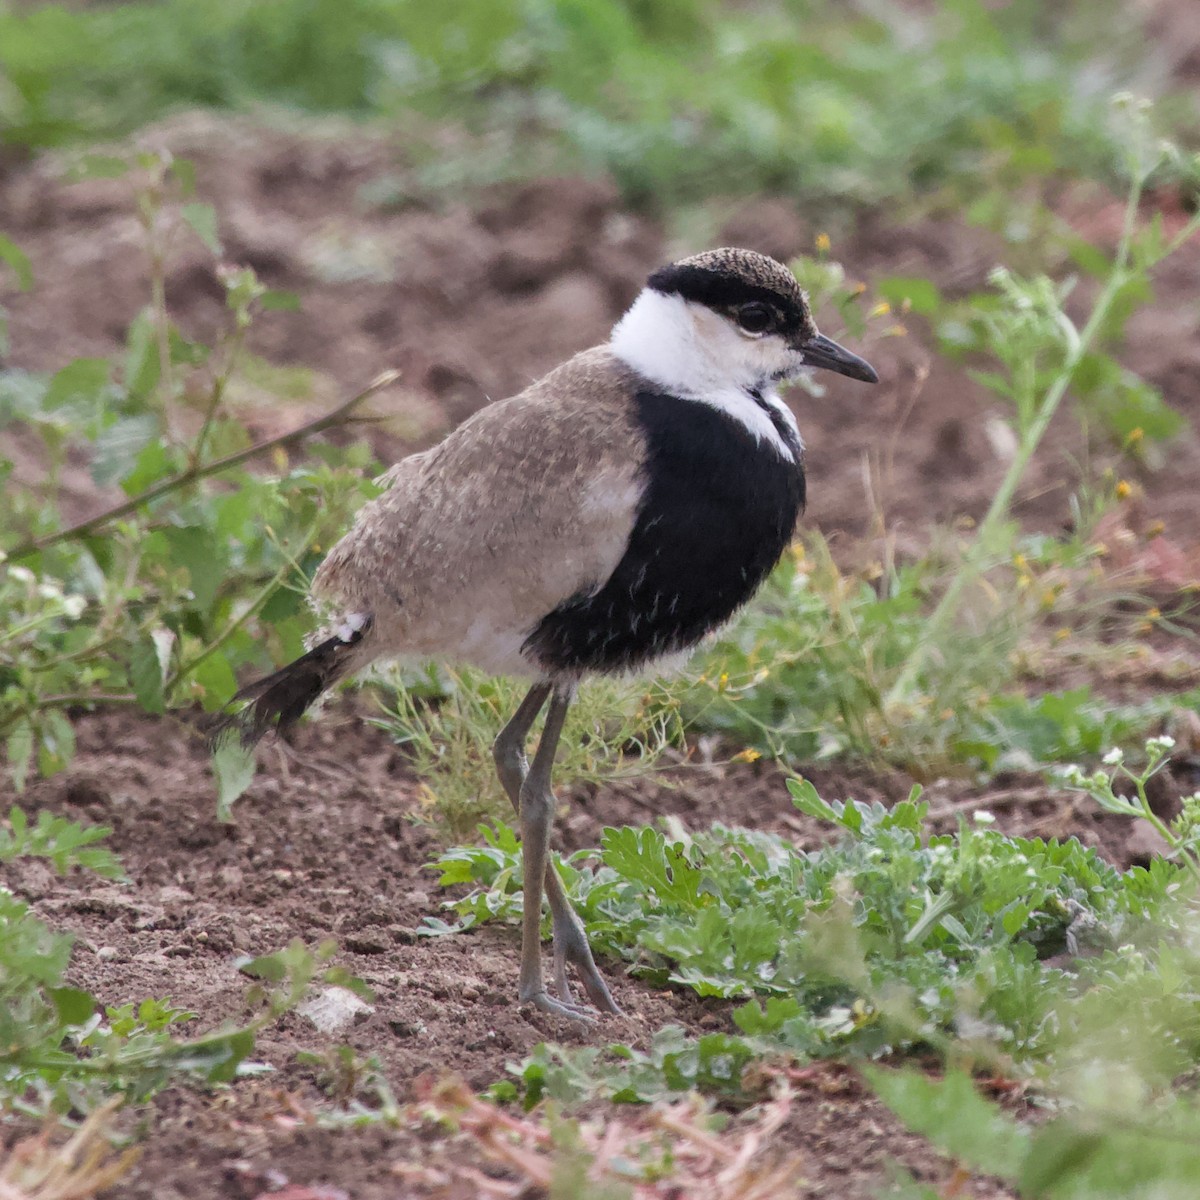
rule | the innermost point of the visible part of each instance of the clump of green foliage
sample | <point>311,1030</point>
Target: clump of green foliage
<point>202,566</point>
<point>889,937</point>
<point>912,664</point>
<point>1013,957</point>
<point>822,99</point>
<point>447,720</point>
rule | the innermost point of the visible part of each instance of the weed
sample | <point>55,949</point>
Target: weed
<point>1182,835</point>
<point>448,719</point>
<point>156,600</point>
<point>887,938</point>
<point>1042,353</point>
<point>820,100</point>
<point>670,1149</point>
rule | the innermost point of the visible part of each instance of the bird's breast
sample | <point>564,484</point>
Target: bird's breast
<point>718,507</point>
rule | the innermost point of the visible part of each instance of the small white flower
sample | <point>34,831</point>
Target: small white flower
<point>1114,756</point>
<point>21,574</point>
<point>73,606</point>
<point>1159,745</point>
<point>983,817</point>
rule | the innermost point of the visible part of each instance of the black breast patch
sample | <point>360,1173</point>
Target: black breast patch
<point>720,508</point>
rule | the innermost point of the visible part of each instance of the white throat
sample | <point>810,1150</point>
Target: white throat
<point>691,352</point>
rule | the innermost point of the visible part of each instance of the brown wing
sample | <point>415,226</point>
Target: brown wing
<point>525,505</point>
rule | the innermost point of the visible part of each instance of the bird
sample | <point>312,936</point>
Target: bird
<point>602,521</point>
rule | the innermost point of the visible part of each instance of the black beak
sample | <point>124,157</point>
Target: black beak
<point>823,352</point>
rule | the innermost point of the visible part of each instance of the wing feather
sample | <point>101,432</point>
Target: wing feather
<point>529,503</point>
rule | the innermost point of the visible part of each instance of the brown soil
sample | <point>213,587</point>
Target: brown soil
<point>471,300</point>
<point>323,846</point>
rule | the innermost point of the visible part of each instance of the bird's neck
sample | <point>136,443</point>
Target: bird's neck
<point>658,338</point>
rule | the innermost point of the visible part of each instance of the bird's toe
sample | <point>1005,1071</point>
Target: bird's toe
<point>546,1003</point>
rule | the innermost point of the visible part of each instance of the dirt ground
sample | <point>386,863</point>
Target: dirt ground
<point>472,300</point>
<point>324,846</point>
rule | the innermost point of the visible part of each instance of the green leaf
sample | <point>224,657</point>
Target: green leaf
<point>195,547</point>
<point>18,748</point>
<point>808,800</point>
<point>645,856</point>
<point>118,449</point>
<point>956,1118</point>
<point>75,1007</point>
<point>17,261</point>
<point>277,301</point>
<point>233,767</point>
<point>146,676</point>
<point>100,166</point>
<point>81,380</point>
<point>184,171</point>
<point>142,367</point>
<point>56,743</point>
<point>270,967</point>
<point>920,295</point>
<point>203,221</point>
<point>216,677</point>
<point>153,463</point>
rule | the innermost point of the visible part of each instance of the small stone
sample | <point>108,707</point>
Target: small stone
<point>368,941</point>
<point>108,953</point>
<point>334,1008</point>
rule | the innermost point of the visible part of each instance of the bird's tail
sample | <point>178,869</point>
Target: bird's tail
<point>281,699</point>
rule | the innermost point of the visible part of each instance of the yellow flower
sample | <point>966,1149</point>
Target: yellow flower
<point>1155,529</point>
<point>746,756</point>
<point>1153,614</point>
<point>1061,635</point>
<point>1135,436</point>
<point>881,309</point>
<point>1124,491</point>
<point>823,243</point>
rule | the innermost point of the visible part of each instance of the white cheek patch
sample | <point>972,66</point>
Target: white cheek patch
<point>694,353</point>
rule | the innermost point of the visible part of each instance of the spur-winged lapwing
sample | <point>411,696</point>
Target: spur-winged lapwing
<point>613,513</point>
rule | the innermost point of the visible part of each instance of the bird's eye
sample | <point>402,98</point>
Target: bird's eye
<point>755,318</point>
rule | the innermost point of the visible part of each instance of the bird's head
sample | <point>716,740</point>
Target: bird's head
<point>727,319</point>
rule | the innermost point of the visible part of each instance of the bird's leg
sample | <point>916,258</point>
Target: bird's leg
<point>570,941</point>
<point>531,794</point>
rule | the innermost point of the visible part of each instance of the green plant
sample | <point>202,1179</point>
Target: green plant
<point>1043,354</point>
<point>1181,835</point>
<point>1084,1153</point>
<point>158,599</point>
<point>890,937</point>
<point>814,99</point>
<point>448,719</point>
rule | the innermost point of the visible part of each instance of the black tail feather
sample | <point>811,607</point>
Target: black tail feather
<point>282,698</point>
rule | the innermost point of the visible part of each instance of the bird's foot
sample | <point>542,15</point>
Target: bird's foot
<point>546,1003</point>
<point>571,946</point>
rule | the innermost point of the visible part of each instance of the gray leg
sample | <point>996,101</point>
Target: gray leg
<point>530,793</point>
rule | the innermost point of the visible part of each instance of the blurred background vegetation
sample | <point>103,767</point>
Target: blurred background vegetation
<point>861,101</point>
